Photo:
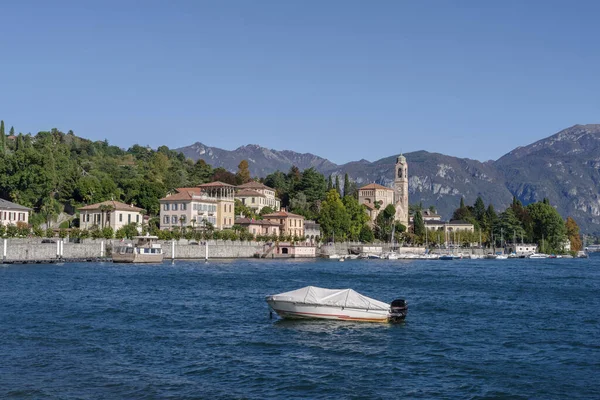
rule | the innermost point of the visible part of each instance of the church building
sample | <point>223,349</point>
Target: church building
<point>376,197</point>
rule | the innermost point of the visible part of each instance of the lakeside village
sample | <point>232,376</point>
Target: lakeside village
<point>248,220</point>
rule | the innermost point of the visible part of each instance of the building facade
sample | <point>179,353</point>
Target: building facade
<point>289,224</point>
<point>449,226</point>
<point>259,227</point>
<point>110,213</point>
<point>255,195</point>
<point>376,198</point>
<point>12,213</point>
<point>312,232</point>
<point>210,203</point>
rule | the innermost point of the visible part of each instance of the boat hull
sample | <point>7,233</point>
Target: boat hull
<point>309,311</point>
<point>138,258</point>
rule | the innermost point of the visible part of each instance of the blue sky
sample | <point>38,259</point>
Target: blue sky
<point>464,78</point>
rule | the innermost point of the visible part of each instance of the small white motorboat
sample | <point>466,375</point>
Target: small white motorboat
<point>391,256</point>
<point>537,255</point>
<point>336,304</point>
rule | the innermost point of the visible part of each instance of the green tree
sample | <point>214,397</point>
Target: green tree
<point>479,210</point>
<point>312,184</point>
<point>366,234</point>
<point>508,226</point>
<point>242,209</point>
<point>548,226</point>
<point>358,218</point>
<point>2,138</point>
<point>337,185</point>
<point>384,222</point>
<point>419,225</point>
<point>266,210</point>
<point>333,217</point>
<point>329,183</point>
<point>200,173</point>
<point>346,185</point>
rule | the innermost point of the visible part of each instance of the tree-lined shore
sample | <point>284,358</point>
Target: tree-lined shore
<point>54,172</point>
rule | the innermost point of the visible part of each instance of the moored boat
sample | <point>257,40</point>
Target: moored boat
<point>146,250</point>
<point>537,255</point>
<point>335,304</point>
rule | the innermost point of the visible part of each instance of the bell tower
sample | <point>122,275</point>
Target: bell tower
<point>401,190</point>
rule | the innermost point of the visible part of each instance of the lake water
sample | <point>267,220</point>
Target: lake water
<point>476,329</point>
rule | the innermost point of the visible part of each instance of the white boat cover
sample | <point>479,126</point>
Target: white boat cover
<point>331,297</point>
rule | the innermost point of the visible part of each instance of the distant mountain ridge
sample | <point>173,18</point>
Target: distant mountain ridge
<point>564,167</point>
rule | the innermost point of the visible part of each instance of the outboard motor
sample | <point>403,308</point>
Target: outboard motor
<point>398,310</point>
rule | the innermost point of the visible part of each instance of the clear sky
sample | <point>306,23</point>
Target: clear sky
<point>345,80</point>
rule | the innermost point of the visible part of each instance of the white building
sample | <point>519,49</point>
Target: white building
<point>110,213</point>
<point>192,207</point>
<point>12,213</point>
<point>255,195</point>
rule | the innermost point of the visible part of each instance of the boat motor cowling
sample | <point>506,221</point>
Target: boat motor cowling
<point>398,310</point>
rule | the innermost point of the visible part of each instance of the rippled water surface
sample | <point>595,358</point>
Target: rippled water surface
<point>476,329</point>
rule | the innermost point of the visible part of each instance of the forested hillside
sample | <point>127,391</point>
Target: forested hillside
<point>53,170</point>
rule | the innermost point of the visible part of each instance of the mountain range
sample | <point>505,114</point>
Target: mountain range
<point>564,167</point>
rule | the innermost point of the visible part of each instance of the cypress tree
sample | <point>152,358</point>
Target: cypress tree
<point>346,185</point>
<point>2,137</point>
<point>337,185</point>
<point>329,184</point>
<point>12,131</point>
<point>419,225</point>
<point>462,202</point>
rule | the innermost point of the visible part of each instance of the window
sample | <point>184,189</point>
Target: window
<point>183,206</point>
<point>166,219</point>
<point>224,221</point>
<point>137,218</point>
<point>121,217</point>
<point>128,218</point>
<point>182,219</point>
<point>230,209</point>
<point>87,217</point>
<point>253,200</point>
<point>174,207</point>
<point>166,207</point>
<point>174,219</point>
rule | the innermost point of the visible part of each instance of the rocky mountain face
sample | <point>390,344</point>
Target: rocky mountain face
<point>262,161</point>
<point>564,167</point>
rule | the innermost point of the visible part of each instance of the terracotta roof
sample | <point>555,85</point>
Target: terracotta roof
<point>254,185</point>
<point>375,186</point>
<point>282,214</point>
<point>180,195</point>
<point>249,192</point>
<point>215,184</point>
<point>116,205</point>
<point>248,221</point>
<point>9,205</point>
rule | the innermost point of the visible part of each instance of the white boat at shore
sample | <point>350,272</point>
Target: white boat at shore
<point>333,256</point>
<point>537,255</point>
<point>146,250</point>
<point>335,304</point>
